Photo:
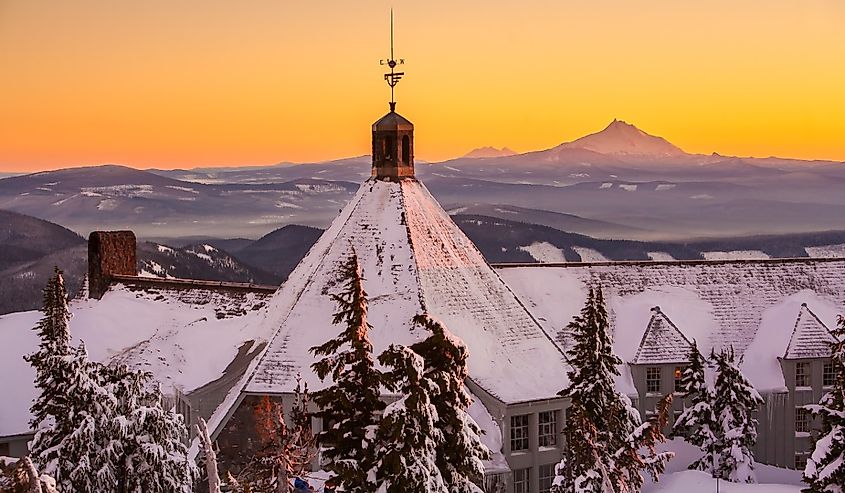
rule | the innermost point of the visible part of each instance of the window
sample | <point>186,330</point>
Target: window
<point>547,475</point>
<point>802,420</point>
<point>547,429</point>
<point>389,147</point>
<point>4,449</point>
<point>652,379</point>
<point>828,374</point>
<point>519,433</point>
<point>679,374</point>
<point>800,461</point>
<point>406,150</point>
<point>802,374</point>
<point>522,480</point>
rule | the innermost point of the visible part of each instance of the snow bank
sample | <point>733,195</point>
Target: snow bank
<point>589,254</point>
<point>735,255</point>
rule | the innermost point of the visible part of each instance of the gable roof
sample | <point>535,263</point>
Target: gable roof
<point>662,342</point>
<point>810,337</point>
<point>414,259</point>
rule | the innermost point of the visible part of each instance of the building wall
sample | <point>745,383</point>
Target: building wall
<point>647,402</point>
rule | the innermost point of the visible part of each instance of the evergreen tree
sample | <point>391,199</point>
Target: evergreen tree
<point>582,468</point>
<point>406,454</point>
<point>352,402</point>
<point>605,418</point>
<point>69,446</point>
<point>697,423</point>
<point>50,373</point>
<point>825,471</point>
<point>285,451</point>
<point>460,457</point>
<point>734,404</point>
<point>147,440</point>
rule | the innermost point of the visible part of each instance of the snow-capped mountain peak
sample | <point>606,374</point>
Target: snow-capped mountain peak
<point>488,151</point>
<point>621,137</point>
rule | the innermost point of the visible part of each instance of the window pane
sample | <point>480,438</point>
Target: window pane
<point>652,379</point>
<point>547,431</point>
<point>828,375</point>
<point>802,420</point>
<point>547,475</point>
<point>519,432</point>
<point>679,373</point>
<point>802,374</point>
<point>521,480</point>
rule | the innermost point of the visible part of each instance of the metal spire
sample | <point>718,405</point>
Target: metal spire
<point>393,77</point>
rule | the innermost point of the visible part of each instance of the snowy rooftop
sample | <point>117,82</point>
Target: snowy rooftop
<point>662,342</point>
<point>185,337</point>
<point>414,259</point>
<point>810,338</point>
<point>752,305</point>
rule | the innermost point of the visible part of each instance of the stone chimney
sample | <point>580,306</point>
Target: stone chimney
<point>109,253</point>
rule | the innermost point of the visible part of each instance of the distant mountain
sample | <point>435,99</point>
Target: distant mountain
<point>198,261</point>
<point>623,138</point>
<point>25,238</point>
<point>117,197</point>
<point>486,152</point>
<point>280,251</point>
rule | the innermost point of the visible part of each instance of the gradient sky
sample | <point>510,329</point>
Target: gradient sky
<point>178,83</point>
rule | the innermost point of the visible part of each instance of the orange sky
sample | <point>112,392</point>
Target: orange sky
<point>179,83</point>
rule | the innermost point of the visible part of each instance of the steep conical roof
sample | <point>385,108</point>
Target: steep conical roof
<point>662,342</point>
<point>414,259</point>
<point>810,337</point>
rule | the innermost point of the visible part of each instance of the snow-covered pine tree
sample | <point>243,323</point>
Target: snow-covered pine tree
<point>70,446</point>
<point>621,440</point>
<point>697,423</point>
<point>50,372</point>
<point>582,468</point>
<point>460,457</point>
<point>734,405</point>
<point>825,471</point>
<point>352,402</point>
<point>407,438</point>
<point>147,439</point>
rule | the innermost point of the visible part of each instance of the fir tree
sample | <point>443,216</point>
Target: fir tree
<point>460,457</point>
<point>50,373</point>
<point>147,440</point>
<point>407,435</point>
<point>697,423</point>
<point>734,404</point>
<point>582,468</point>
<point>825,471</point>
<point>352,402</point>
<point>285,451</point>
<point>69,447</point>
<point>605,418</point>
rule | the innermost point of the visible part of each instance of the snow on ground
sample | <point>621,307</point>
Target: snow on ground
<point>827,251</point>
<point>183,345</point>
<point>589,255</point>
<point>680,480</point>
<point>660,256</point>
<point>736,255</point>
<point>606,185</point>
<point>664,186</point>
<point>543,251</point>
<point>628,187</point>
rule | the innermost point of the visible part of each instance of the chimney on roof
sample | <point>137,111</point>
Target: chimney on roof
<point>109,253</point>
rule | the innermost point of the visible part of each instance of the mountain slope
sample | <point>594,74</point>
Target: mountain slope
<point>623,138</point>
<point>280,251</point>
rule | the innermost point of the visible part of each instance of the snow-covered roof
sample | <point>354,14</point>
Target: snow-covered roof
<point>810,338</point>
<point>185,337</point>
<point>662,342</point>
<point>751,305</point>
<point>414,259</point>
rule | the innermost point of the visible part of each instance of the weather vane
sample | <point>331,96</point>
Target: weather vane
<point>393,77</point>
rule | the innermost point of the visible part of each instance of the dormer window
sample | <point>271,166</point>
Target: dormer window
<point>652,379</point>
<point>828,374</point>
<point>802,374</point>
<point>679,375</point>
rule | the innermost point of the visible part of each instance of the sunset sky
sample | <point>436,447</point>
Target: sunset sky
<point>177,83</point>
